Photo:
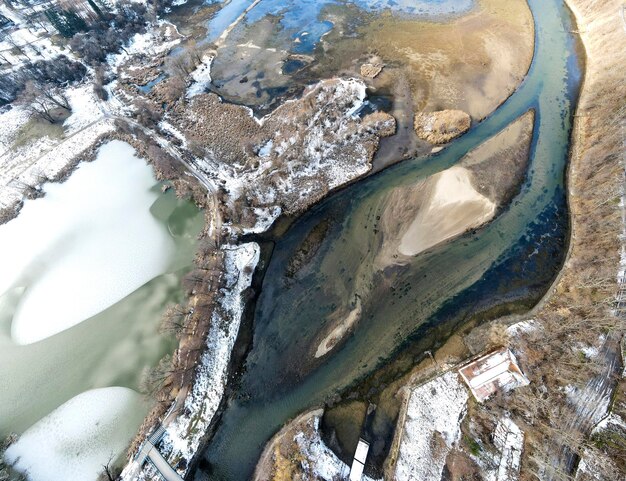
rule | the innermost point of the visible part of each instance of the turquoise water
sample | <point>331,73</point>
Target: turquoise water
<point>405,310</point>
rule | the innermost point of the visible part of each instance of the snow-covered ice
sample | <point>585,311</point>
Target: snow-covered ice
<point>87,244</point>
<point>74,441</point>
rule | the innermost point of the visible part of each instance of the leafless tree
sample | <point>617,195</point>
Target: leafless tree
<point>181,65</point>
<point>146,113</point>
<point>173,89</point>
<point>42,99</point>
<point>166,166</point>
<point>108,472</point>
<point>16,47</point>
<point>175,320</point>
<point>157,380</point>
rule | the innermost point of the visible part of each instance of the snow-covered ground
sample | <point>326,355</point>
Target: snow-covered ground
<point>432,427</point>
<point>43,158</point>
<point>86,108</point>
<point>319,461</point>
<point>503,463</point>
<point>183,435</point>
<point>27,44</point>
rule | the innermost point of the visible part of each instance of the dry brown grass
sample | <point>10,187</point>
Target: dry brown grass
<point>578,308</point>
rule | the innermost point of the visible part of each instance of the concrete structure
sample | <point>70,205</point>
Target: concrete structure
<point>358,463</point>
<point>492,372</point>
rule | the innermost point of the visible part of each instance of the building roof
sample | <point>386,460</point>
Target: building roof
<point>492,372</point>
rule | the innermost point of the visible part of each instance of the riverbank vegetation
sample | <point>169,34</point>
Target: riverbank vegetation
<point>572,386</point>
<point>571,350</point>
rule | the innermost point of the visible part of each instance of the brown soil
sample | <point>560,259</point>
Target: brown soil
<point>281,459</point>
<point>472,62</point>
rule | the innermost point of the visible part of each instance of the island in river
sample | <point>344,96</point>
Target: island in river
<point>258,111</point>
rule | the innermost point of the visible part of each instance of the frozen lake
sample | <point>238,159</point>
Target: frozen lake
<point>87,272</point>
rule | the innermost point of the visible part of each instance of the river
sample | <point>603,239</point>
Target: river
<point>502,267</point>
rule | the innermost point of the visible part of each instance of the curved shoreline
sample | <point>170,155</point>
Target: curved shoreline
<point>579,284</point>
<point>75,163</point>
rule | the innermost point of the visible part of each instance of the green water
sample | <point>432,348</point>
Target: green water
<point>115,346</point>
<point>405,309</point>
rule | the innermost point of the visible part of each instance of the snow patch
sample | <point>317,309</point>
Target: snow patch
<point>319,460</point>
<point>75,440</point>
<point>86,108</point>
<point>432,427</point>
<point>201,77</point>
<point>509,439</point>
<point>183,435</point>
<point>522,327</point>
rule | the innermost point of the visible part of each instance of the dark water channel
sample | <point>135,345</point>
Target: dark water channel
<point>406,309</point>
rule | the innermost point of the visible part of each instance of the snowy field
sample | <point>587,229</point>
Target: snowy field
<point>433,426</point>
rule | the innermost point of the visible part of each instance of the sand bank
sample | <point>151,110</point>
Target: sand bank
<point>339,331</point>
<point>447,204</point>
<point>452,207</point>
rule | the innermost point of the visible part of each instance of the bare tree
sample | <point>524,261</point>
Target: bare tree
<point>54,95</point>
<point>15,46</point>
<point>195,54</point>
<point>146,113</point>
<point>157,381</point>
<point>42,99</point>
<point>173,89</point>
<point>175,320</point>
<point>180,65</point>
<point>166,166</point>
<point>108,472</point>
